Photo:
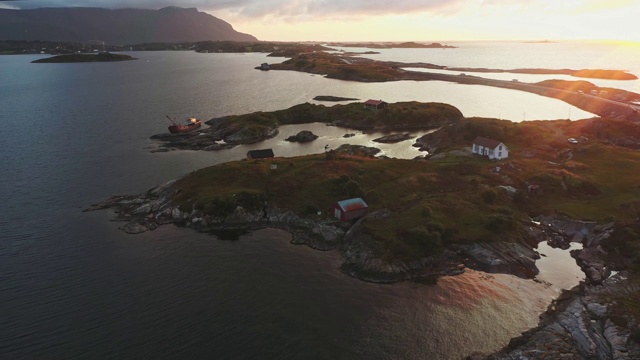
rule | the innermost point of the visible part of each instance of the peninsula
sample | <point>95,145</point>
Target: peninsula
<point>78,58</point>
<point>607,102</point>
<point>230,131</point>
<point>436,217</point>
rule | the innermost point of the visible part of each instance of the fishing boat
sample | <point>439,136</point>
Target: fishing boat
<point>190,124</point>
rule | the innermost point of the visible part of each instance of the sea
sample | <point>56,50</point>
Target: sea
<point>73,286</point>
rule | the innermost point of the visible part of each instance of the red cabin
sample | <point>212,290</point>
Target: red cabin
<point>349,209</point>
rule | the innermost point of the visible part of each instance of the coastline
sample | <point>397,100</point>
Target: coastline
<point>147,211</point>
<point>562,328</point>
<point>82,58</point>
<point>605,102</point>
<point>508,255</point>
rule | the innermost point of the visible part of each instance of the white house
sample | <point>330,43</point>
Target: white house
<point>488,147</point>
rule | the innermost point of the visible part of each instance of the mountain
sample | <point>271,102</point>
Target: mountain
<point>120,26</point>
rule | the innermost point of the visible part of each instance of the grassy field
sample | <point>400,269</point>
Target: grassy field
<point>455,199</point>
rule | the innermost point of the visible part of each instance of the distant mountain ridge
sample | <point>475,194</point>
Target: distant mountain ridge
<point>119,26</point>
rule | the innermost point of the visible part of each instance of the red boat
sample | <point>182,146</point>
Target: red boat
<point>190,124</point>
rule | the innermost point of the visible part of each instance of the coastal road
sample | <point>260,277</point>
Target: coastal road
<point>573,97</point>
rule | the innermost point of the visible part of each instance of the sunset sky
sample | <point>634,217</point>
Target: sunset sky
<point>393,20</point>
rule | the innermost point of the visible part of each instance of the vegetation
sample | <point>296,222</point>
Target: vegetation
<point>403,115</point>
<point>338,68</point>
<point>455,199</point>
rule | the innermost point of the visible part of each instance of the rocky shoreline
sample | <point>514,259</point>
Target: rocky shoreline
<point>580,323</point>
<point>577,325</point>
<point>149,210</point>
<point>154,208</point>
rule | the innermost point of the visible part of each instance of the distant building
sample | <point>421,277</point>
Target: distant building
<point>350,209</point>
<point>375,104</point>
<point>265,66</point>
<point>260,154</point>
<point>493,149</point>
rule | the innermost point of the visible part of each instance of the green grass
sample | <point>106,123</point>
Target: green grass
<point>592,180</point>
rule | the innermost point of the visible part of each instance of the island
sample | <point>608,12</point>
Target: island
<point>428,218</point>
<point>303,136</point>
<point>404,45</point>
<point>333,98</point>
<point>607,102</point>
<point>234,130</point>
<point>79,58</point>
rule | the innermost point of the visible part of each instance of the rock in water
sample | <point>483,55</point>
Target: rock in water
<point>303,136</point>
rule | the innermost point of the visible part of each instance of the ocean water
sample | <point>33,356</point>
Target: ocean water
<point>72,286</point>
<point>520,55</point>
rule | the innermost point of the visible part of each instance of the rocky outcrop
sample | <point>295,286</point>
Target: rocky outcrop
<point>562,231</point>
<point>194,140</point>
<point>576,326</point>
<point>357,150</point>
<point>393,138</point>
<point>502,257</point>
<point>218,136</point>
<point>360,260</point>
<point>303,136</point>
<point>580,324</point>
<point>148,211</point>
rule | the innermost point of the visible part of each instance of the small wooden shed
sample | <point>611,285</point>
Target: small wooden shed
<point>350,209</point>
<point>260,154</point>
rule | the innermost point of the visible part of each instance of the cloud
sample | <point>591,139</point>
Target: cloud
<point>265,8</point>
<point>564,6</point>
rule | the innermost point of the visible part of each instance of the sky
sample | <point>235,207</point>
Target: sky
<point>403,20</point>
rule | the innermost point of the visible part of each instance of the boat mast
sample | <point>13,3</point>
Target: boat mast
<point>173,121</point>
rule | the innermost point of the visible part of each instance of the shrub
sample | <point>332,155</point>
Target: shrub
<point>220,208</point>
<point>500,222</point>
<point>250,201</point>
<point>330,155</point>
<point>347,187</point>
<point>635,335</point>
<point>425,241</point>
<point>311,210</point>
<point>488,196</point>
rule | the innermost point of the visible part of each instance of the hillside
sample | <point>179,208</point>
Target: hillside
<point>120,26</point>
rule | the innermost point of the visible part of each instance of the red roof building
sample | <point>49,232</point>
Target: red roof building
<point>375,104</point>
<point>349,209</point>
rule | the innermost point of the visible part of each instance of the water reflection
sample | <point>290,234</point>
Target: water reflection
<point>557,267</point>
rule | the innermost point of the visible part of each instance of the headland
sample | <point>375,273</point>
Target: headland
<point>602,101</point>
<point>454,210</point>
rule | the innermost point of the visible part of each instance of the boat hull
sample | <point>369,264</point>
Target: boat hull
<point>177,129</point>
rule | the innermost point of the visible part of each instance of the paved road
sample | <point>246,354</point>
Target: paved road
<point>540,90</point>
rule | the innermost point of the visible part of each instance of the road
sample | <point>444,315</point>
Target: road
<point>573,98</point>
